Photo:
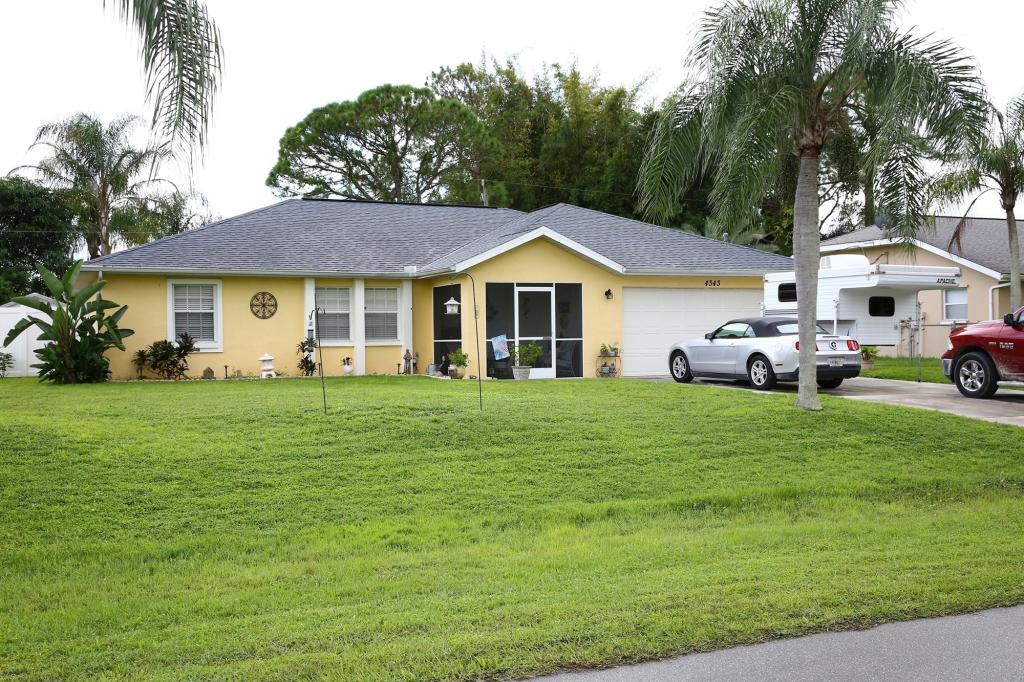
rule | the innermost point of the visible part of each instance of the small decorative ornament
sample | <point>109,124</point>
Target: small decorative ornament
<point>263,305</point>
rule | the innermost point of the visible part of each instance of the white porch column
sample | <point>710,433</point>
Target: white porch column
<point>405,315</point>
<point>357,326</point>
<point>308,302</point>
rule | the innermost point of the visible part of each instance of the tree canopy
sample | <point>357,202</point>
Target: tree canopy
<point>99,172</point>
<point>35,228</point>
<point>181,55</point>
<point>393,143</point>
<point>993,162</point>
<point>777,79</point>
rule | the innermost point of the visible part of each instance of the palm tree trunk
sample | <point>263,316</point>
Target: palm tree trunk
<point>869,199</point>
<point>1011,228</point>
<point>806,253</point>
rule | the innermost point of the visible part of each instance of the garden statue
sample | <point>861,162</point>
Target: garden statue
<point>407,368</point>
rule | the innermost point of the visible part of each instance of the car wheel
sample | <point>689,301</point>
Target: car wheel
<point>679,367</point>
<point>975,375</point>
<point>830,383</point>
<point>760,373</point>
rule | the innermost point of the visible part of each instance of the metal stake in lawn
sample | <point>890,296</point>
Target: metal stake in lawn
<point>314,318</point>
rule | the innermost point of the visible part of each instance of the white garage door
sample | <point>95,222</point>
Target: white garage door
<point>655,319</point>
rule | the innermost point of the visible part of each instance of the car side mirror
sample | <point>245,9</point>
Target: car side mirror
<point>709,336</point>
<point>1008,319</point>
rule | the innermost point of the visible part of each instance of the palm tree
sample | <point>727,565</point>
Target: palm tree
<point>777,77</point>
<point>181,54</point>
<point>98,171</point>
<point>993,163</point>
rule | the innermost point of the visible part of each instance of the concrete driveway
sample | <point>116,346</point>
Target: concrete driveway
<point>1006,407</point>
<point>988,645</point>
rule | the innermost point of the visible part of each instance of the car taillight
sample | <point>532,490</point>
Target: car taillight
<point>852,345</point>
<point>798,345</point>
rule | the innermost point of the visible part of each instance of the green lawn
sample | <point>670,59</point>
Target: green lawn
<point>906,370</point>
<point>227,530</point>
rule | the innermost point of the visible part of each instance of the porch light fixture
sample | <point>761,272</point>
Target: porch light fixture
<point>451,306</point>
<point>608,294</point>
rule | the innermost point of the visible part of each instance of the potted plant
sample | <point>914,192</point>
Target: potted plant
<point>526,355</point>
<point>459,360</point>
<point>610,349</point>
<point>867,357</point>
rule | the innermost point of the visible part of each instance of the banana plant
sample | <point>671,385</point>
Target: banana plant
<point>76,327</point>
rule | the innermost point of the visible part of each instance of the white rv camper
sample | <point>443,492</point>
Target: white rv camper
<point>870,302</point>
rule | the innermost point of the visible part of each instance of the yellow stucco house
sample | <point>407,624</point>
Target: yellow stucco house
<point>380,274</point>
<point>983,257</point>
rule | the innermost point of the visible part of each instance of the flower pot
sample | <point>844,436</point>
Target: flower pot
<point>867,364</point>
<point>521,372</point>
<point>456,372</point>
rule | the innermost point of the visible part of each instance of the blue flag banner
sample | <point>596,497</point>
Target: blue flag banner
<point>500,344</point>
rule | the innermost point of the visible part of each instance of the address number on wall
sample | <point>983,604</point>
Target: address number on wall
<point>712,282</point>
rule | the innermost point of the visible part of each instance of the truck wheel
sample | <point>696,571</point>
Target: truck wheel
<point>975,375</point>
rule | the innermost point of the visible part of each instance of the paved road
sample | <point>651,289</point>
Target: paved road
<point>1006,407</point>
<point>988,645</point>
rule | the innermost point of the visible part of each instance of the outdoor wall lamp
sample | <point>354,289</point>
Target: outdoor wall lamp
<point>451,306</point>
<point>608,294</point>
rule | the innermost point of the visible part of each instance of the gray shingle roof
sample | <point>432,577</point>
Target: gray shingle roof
<point>369,238</point>
<point>985,240</point>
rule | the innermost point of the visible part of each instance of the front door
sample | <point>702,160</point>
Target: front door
<point>535,321</point>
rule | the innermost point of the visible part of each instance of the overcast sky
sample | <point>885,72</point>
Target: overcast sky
<point>282,59</point>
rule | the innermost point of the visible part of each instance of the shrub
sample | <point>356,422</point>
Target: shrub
<point>458,357</point>
<point>169,360</point>
<point>79,332</point>
<point>6,362</point>
<point>307,365</point>
<point>527,354</point>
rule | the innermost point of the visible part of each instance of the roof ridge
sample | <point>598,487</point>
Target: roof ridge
<point>169,237</point>
<point>492,233</point>
<point>406,203</point>
<point>676,230</point>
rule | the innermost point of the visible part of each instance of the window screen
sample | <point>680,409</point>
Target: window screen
<point>194,311</point>
<point>881,306</point>
<point>787,292</point>
<point>955,304</point>
<point>381,314</point>
<point>334,318</point>
<point>447,327</point>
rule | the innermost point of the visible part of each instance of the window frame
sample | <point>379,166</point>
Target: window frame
<point>329,343</point>
<point>946,319</point>
<point>891,300</point>
<point>748,333</point>
<point>389,341</point>
<point>215,346</point>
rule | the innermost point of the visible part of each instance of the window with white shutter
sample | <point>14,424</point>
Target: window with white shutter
<point>381,314</point>
<point>333,319</point>
<point>193,307</point>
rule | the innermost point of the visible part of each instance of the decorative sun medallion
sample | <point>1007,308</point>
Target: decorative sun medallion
<point>263,305</point>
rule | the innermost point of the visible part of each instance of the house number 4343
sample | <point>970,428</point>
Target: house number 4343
<point>712,282</point>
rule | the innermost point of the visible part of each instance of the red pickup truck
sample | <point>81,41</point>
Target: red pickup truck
<point>982,354</point>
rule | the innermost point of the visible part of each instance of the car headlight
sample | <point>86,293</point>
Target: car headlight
<point>949,345</point>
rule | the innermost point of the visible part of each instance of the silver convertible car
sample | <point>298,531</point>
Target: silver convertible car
<point>762,350</point>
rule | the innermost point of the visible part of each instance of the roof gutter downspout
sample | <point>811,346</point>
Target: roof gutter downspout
<point>991,307</point>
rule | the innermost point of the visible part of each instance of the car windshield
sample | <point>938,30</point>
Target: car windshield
<point>787,328</point>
